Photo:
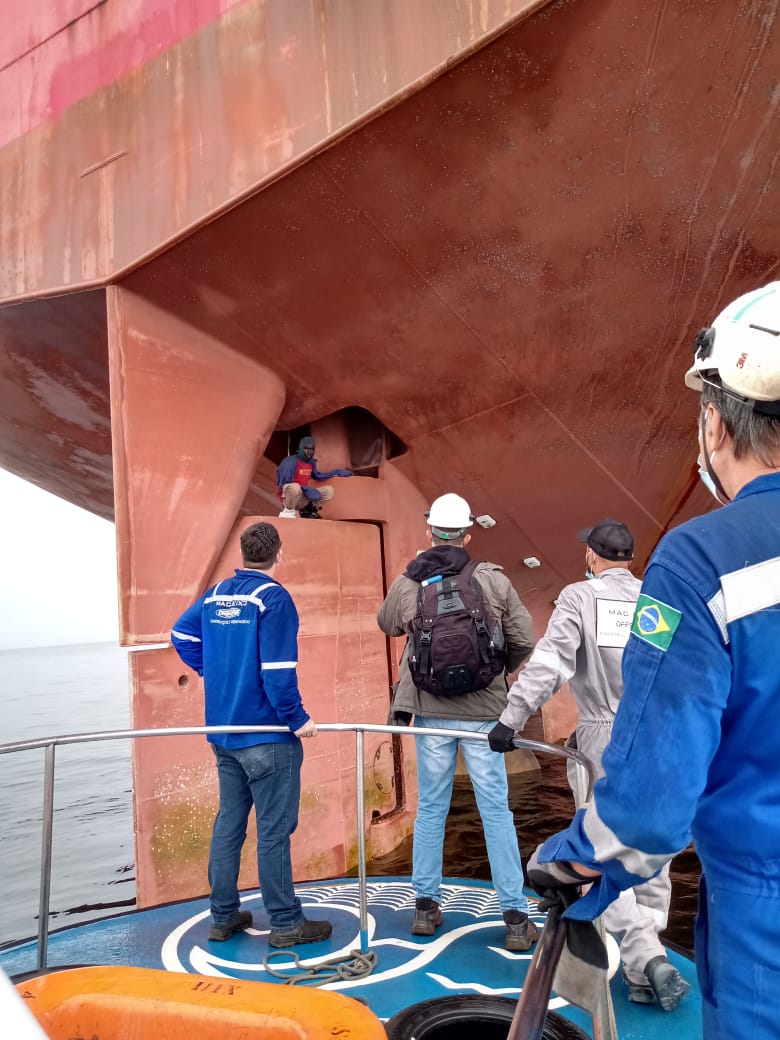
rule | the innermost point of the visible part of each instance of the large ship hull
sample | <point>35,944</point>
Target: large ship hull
<point>466,246</point>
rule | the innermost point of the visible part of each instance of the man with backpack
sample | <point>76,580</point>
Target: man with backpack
<point>466,627</point>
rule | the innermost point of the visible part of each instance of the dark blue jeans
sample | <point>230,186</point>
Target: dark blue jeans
<point>267,776</point>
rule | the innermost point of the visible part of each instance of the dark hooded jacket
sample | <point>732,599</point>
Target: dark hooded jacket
<point>397,613</point>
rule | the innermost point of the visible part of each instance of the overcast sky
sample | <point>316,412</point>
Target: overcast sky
<point>58,571</point>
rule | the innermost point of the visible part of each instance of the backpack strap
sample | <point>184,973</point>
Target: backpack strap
<point>468,571</point>
<point>426,630</point>
<point>484,640</point>
<point>448,597</point>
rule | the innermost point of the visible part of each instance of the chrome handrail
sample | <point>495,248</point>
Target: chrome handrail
<point>359,729</point>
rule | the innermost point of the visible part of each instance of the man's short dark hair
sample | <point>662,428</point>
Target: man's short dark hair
<point>260,544</point>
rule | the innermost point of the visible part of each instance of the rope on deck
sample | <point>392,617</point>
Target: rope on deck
<point>335,969</point>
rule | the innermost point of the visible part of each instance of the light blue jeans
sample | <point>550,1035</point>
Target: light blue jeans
<point>436,758</point>
<point>267,776</point>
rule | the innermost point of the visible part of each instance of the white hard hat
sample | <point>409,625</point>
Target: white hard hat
<point>742,350</point>
<point>451,512</point>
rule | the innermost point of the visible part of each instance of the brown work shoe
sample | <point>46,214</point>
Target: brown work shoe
<point>521,933</point>
<point>305,932</point>
<point>427,916</point>
<point>223,930</point>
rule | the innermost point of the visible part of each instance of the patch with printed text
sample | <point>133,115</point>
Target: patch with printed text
<point>655,622</point>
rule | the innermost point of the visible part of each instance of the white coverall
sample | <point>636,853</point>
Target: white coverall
<point>584,645</point>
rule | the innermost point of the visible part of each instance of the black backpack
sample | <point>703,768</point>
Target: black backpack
<point>455,645</point>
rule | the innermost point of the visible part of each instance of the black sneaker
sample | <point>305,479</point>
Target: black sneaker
<point>639,992</point>
<point>310,512</point>
<point>224,929</point>
<point>521,933</point>
<point>669,986</point>
<point>427,916</point>
<point>305,932</point>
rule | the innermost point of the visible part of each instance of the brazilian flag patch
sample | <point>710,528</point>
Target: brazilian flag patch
<point>655,622</point>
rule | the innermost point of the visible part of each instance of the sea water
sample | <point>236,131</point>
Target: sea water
<point>50,691</point>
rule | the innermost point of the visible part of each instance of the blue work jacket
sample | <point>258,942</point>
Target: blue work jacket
<point>242,637</point>
<point>695,749</point>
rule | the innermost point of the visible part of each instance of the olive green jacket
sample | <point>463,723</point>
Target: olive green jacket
<point>395,618</point>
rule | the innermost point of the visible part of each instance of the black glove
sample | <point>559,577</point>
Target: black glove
<point>550,878</point>
<point>501,738</point>
<point>399,718</point>
<point>581,973</point>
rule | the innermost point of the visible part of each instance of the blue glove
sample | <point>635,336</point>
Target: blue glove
<point>501,738</point>
<point>311,493</point>
<point>342,472</point>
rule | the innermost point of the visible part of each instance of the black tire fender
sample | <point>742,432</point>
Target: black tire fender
<point>456,1017</point>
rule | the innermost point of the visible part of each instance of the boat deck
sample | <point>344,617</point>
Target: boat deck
<point>466,956</point>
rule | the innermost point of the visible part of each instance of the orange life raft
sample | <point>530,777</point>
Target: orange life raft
<point>114,1003</point>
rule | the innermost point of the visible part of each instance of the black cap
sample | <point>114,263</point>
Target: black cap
<point>610,539</point>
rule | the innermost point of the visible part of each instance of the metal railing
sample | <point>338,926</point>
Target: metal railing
<point>49,745</point>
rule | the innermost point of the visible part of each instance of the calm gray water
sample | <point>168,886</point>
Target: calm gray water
<point>55,690</point>
<point>49,691</point>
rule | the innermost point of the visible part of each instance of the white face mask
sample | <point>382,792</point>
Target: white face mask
<point>704,476</point>
<point>708,482</point>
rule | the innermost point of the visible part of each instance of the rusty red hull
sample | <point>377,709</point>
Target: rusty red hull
<point>468,246</point>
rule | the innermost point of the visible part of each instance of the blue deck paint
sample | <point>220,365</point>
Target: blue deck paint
<point>466,954</point>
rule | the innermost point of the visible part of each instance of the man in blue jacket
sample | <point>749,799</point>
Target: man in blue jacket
<point>242,637</point>
<point>695,749</point>
<point>293,474</point>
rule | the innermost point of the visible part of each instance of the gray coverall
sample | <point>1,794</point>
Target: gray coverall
<point>584,645</point>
